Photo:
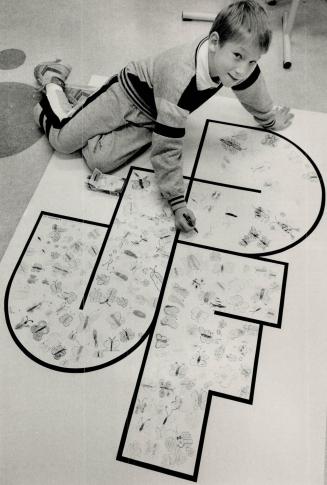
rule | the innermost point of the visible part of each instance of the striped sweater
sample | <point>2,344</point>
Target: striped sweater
<point>165,88</point>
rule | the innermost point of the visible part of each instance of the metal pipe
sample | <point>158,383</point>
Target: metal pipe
<point>207,17</point>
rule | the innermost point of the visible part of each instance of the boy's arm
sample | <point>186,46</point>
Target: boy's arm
<point>254,96</point>
<point>166,153</point>
<point>172,76</point>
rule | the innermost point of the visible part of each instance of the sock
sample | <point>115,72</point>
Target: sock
<point>56,80</point>
<point>58,100</point>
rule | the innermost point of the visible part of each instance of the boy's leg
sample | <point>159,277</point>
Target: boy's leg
<point>100,127</point>
<point>109,151</point>
<point>106,126</point>
<point>58,100</point>
<point>101,113</point>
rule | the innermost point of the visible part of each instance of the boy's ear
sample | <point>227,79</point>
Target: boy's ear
<point>213,41</point>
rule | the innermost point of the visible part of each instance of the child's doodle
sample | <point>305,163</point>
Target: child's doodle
<point>230,144</point>
<point>207,332</point>
<point>258,175</point>
<point>270,139</point>
<point>216,301</point>
<point>219,350</point>
<point>123,294</point>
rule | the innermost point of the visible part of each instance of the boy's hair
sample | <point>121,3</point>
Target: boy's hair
<point>240,18</point>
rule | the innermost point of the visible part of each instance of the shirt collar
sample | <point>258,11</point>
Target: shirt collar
<point>203,78</point>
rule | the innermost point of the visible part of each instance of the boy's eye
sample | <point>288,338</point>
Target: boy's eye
<point>237,55</point>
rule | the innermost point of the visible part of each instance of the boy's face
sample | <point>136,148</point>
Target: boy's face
<point>233,61</point>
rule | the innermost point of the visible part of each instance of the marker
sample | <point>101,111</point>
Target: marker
<point>188,220</point>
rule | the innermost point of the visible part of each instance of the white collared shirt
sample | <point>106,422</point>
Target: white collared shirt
<point>203,78</point>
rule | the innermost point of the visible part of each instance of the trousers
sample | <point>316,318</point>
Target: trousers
<point>108,128</point>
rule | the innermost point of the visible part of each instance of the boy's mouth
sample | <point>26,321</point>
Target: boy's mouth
<point>234,79</point>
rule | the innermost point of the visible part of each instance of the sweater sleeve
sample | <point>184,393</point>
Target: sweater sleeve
<point>254,96</point>
<point>166,153</point>
<point>172,73</point>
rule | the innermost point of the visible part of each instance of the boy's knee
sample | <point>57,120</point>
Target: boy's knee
<point>101,152</point>
<point>99,160</point>
<point>61,147</point>
<point>61,143</point>
<point>56,140</point>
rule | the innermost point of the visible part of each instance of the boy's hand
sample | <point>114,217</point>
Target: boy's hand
<point>181,219</point>
<point>283,118</point>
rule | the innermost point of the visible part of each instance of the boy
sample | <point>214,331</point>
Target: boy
<point>148,101</point>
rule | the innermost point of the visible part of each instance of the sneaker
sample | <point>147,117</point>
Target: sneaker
<point>77,95</point>
<point>45,71</point>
